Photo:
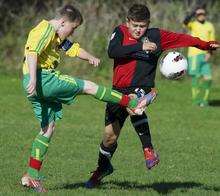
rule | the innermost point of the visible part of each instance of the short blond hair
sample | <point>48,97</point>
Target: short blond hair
<point>71,13</point>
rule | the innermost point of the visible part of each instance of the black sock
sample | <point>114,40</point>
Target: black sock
<point>105,155</point>
<point>141,126</point>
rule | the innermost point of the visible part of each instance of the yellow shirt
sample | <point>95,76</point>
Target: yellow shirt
<point>44,41</point>
<point>204,31</point>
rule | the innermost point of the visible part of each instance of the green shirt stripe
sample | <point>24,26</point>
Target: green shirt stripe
<point>44,38</point>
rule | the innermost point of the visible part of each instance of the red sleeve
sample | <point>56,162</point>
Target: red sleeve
<point>171,40</point>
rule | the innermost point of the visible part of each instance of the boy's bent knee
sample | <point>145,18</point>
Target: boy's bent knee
<point>109,138</point>
<point>109,141</point>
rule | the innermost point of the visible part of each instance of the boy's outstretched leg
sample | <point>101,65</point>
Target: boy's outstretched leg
<point>108,95</point>
<point>32,178</point>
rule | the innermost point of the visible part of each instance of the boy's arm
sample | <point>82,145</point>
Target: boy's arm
<point>115,48</point>
<point>31,59</point>
<point>170,40</point>
<point>73,50</point>
<point>87,56</point>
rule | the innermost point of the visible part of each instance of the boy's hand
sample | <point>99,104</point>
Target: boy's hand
<point>214,45</point>
<point>31,88</point>
<point>149,46</point>
<point>94,61</point>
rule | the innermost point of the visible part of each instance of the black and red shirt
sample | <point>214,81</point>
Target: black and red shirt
<point>134,67</point>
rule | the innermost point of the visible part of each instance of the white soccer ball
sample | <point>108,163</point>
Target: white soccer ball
<point>173,65</point>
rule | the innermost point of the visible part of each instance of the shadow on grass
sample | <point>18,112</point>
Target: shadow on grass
<point>214,103</point>
<point>160,187</point>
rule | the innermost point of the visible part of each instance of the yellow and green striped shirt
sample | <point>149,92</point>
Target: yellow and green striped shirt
<point>204,31</point>
<point>44,41</point>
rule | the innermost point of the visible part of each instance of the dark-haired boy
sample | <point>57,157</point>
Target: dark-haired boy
<point>136,50</point>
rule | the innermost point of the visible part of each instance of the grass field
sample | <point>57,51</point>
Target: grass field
<point>187,138</point>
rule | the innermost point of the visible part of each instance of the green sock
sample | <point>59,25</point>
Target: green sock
<point>38,151</point>
<point>109,95</point>
<point>195,89</point>
<point>206,85</point>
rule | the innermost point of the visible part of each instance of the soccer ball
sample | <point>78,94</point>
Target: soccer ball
<point>173,65</point>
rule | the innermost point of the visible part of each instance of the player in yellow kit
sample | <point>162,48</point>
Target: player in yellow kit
<point>47,89</point>
<point>199,66</point>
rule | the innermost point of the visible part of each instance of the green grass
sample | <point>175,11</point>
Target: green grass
<point>187,138</point>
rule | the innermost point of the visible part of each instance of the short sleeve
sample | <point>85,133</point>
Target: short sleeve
<point>39,38</point>
<point>74,50</point>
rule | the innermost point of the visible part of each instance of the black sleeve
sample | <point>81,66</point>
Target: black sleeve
<point>188,18</point>
<point>115,48</point>
<point>142,55</point>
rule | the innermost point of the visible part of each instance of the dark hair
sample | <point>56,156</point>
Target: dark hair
<point>202,6</point>
<point>72,14</point>
<point>138,12</point>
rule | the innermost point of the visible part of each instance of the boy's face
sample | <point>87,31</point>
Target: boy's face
<point>137,29</point>
<point>201,15</point>
<point>67,29</point>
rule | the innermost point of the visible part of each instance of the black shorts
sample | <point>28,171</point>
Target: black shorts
<point>115,112</point>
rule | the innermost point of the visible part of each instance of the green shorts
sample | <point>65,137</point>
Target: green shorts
<point>53,90</point>
<point>199,67</point>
